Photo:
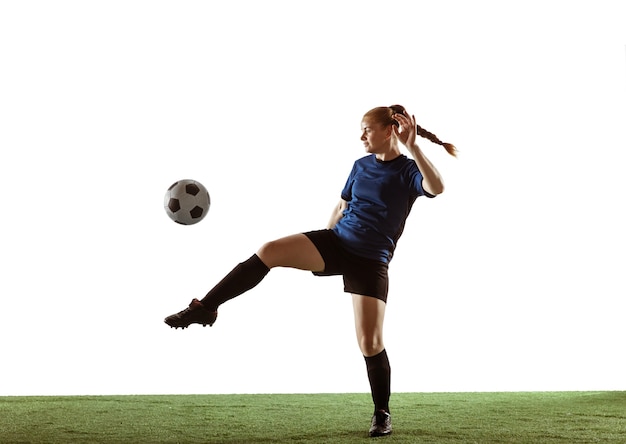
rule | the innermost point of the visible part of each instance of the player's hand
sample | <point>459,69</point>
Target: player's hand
<point>406,132</point>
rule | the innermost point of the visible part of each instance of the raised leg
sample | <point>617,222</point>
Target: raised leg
<point>295,251</point>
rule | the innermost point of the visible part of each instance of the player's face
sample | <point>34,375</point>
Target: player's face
<point>375,137</point>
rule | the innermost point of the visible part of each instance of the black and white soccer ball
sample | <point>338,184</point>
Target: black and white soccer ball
<point>187,202</point>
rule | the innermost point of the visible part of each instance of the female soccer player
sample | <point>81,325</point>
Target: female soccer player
<point>358,243</point>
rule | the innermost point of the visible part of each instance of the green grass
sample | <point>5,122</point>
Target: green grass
<point>533,417</point>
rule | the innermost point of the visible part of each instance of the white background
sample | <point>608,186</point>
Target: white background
<point>513,279</point>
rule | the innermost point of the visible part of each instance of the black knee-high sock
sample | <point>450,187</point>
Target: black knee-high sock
<point>242,278</point>
<point>379,374</point>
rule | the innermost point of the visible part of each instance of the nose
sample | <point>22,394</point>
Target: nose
<point>363,138</point>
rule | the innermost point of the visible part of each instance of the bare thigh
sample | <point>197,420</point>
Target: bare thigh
<point>295,251</point>
<point>369,315</point>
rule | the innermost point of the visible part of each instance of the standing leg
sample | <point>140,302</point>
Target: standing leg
<point>295,251</point>
<point>369,315</point>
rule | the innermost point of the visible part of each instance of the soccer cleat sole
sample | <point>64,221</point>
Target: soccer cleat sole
<point>182,328</point>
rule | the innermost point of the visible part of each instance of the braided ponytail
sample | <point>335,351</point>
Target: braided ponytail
<point>451,149</point>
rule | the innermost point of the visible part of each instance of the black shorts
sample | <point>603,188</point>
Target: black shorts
<point>362,276</point>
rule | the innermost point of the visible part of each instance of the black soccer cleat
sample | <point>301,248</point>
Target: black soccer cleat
<point>381,424</point>
<point>194,314</point>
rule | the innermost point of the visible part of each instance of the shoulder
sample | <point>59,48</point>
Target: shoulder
<point>409,165</point>
<point>404,165</point>
<point>365,160</point>
<point>408,161</point>
<point>363,163</point>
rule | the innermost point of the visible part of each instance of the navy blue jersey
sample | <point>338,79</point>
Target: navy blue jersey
<point>380,195</point>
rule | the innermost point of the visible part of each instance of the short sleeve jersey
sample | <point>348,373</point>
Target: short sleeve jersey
<point>380,195</point>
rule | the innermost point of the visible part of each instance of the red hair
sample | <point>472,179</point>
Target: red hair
<point>384,116</point>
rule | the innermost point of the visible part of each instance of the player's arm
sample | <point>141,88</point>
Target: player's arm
<point>432,181</point>
<point>337,213</point>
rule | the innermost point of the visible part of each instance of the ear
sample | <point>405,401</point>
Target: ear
<point>390,131</point>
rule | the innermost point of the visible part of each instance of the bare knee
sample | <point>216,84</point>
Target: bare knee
<point>295,251</point>
<point>268,253</point>
<point>370,345</point>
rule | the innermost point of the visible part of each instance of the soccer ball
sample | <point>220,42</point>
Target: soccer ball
<point>187,202</point>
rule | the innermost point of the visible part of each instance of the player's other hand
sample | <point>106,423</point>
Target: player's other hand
<point>406,131</point>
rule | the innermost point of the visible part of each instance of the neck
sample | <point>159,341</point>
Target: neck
<point>390,154</point>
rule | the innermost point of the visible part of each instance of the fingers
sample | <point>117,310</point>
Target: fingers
<point>404,120</point>
<point>406,129</point>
